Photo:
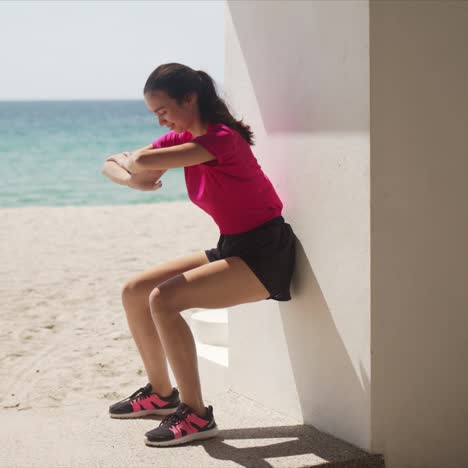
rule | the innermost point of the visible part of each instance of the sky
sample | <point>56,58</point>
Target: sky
<point>73,50</point>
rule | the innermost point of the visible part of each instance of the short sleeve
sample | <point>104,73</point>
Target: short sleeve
<point>221,142</point>
<point>169,139</point>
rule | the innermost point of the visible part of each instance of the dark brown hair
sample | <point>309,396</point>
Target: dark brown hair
<point>178,80</point>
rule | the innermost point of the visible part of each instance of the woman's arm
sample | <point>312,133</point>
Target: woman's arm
<point>147,180</point>
<point>185,154</point>
<point>116,173</point>
<point>145,148</point>
<point>122,158</point>
<point>114,167</point>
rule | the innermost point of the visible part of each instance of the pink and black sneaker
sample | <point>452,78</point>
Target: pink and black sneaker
<point>183,426</point>
<point>143,402</point>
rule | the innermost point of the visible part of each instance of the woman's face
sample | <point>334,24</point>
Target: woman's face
<point>176,117</point>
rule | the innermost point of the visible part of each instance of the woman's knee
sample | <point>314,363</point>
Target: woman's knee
<point>133,292</point>
<point>160,304</point>
<point>155,302</point>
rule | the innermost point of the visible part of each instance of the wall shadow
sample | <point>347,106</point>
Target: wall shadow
<point>299,95</point>
<point>310,332</point>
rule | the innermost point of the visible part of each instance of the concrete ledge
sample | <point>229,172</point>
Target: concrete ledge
<point>210,326</point>
<point>213,367</point>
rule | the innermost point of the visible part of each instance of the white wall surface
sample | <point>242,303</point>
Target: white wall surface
<point>333,89</point>
<point>298,73</point>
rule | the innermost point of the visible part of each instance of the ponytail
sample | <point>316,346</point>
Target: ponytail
<point>214,109</point>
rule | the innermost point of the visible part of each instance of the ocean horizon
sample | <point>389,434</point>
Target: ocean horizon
<point>52,152</point>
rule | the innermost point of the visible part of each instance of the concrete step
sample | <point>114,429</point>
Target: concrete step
<point>213,360</point>
<point>213,365</point>
<point>210,326</point>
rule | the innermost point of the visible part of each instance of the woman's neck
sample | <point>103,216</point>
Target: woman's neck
<point>198,129</point>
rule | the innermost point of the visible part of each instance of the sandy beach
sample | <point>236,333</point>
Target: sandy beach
<point>64,336</point>
<point>66,352</point>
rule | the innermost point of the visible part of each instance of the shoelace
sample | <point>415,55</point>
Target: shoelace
<point>142,392</point>
<point>174,418</point>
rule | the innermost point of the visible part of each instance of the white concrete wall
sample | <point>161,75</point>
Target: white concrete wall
<point>298,73</point>
<point>419,161</point>
<point>325,108</point>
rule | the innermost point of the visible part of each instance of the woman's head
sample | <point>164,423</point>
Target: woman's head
<point>184,97</point>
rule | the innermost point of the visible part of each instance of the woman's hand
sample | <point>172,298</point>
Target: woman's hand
<point>126,160</point>
<point>120,158</point>
<point>146,181</point>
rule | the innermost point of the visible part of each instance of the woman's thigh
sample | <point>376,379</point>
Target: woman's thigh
<point>222,283</point>
<point>142,284</point>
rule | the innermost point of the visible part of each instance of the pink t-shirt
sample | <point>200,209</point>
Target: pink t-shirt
<point>232,188</point>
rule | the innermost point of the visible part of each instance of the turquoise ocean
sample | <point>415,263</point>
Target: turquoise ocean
<point>52,153</point>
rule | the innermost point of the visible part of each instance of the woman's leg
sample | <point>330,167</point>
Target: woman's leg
<point>219,284</point>
<point>135,299</point>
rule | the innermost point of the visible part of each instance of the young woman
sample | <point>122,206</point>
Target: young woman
<point>253,260</point>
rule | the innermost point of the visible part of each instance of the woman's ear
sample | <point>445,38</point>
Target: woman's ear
<point>191,99</point>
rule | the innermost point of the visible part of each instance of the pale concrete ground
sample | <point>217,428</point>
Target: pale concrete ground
<point>84,436</point>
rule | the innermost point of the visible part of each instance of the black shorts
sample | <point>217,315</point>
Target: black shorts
<point>270,252</point>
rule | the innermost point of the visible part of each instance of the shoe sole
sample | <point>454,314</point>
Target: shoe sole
<point>139,414</point>
<point>184,439</point>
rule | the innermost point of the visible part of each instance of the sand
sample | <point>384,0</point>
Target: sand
<point>64,338</point>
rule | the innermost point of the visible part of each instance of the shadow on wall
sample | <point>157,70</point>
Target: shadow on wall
<point>290,52</point>
<point>310,331</point>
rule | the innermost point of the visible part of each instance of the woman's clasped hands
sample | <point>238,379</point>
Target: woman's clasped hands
<point>121,159</point>
<point>145,181</point>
